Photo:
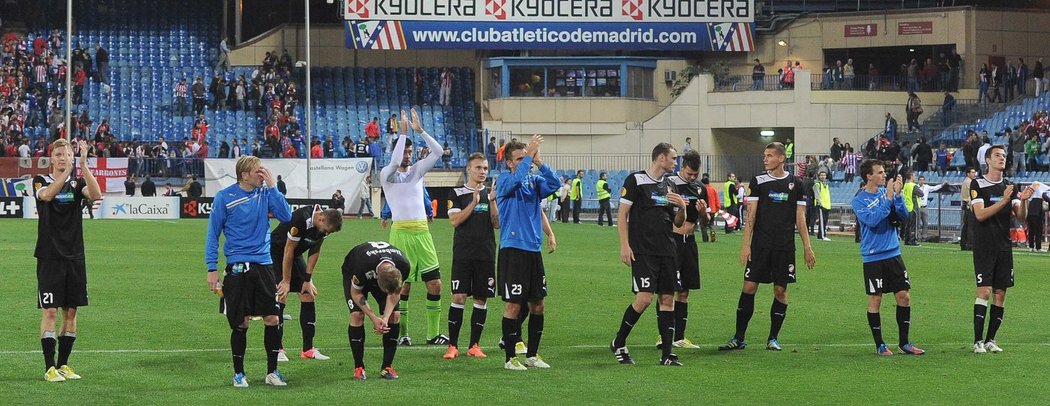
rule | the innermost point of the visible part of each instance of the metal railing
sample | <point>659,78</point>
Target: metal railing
<point>937,83</point>
<point>742,83</point>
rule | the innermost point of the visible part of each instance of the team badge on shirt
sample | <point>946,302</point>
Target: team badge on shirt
<point>623,192</point>
<point>973,193</point>
<point>451,204</point>
<point>791,186</point>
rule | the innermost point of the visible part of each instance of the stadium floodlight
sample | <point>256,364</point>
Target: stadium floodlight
<point>767,133</point>
<point>782,43</point>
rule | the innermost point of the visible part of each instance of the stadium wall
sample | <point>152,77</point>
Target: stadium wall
<point>599,126</point>
<point>328,48</point>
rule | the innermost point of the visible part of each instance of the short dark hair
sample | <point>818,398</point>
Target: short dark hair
<point>988,153</point>
<point>408,142</point>
<point>508,151</point>
<point>334,218</point>
<point>476,156</point>
<point>691,159</point>
<point>868,167</point>
<point>778,147</point>
<point>661,149</point>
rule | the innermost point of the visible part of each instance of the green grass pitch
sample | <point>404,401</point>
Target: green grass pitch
<point>152,333</point>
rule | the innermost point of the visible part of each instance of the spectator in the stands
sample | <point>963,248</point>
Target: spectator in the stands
<point>891,127</point>
<point>181,89</point>
<point>758,76</point>
<point>983,82</point>
<point>199,93</point>
<point>836,149</point>
<point>102,63</point>
<point>445,94</point>
<point>490,152</point>
<point>922,153</point>
<point>1015,144</point>
<point>329,147</point>
<point>943,157</point>
<point>913,110</point>
<point>446,156</point>
<point>1039,78</point>
<point>372,129</point>
<point>148,188</point>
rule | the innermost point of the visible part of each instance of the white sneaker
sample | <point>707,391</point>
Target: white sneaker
<point>514,365</point>
<point>276,379</point>
<point>288,317</point>
<point>978,348</point>
<point>685,343</point>
<point>314,353</point>
<point>826,239</point>
<point>990,346</point>
<point>536,362</point>
<point>240,381</point>
<point>281,356</point>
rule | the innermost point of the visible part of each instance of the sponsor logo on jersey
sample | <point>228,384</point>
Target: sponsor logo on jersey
<point>64,197</point>
<point>481,208</point>
<point>658,199</point>
<point>778,197</point>
<point>995,198</point>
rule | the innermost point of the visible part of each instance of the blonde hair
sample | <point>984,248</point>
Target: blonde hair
<point>61,143</point>
<point>247,163</point>
<point>388,277</point>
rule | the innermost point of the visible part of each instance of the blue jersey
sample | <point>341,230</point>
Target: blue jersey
<point>878,238</point>
<point>242,217</point>
<point>518,196</point>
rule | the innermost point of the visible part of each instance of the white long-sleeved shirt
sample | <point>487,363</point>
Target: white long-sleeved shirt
<point>404,190</point>
<point>926,190</point>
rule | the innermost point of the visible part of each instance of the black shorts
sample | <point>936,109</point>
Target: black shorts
<point>771,266</point>
<point>376,293</point>
<point>61,283</point>
<point>993,268</point>
<point>655,274</point>
<point>688,261</point>
<point>886,276</point>
<point>521,275</point>
<point>298,272</point>
<point>474,278</point>
<point>252,292</point>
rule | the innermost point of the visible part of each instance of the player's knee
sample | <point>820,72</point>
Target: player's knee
<point>357,319</point>
<point>984,292</point>
<point>479,301</point>
<point>406,288</point>
<point>536,307</point>
<point>395,318</point>
<point>460,298</point>
<point>903,298</point>
<point>272,320</point>
<point>307,298</point>
<point>511,310</point>
<point>50,314</point>
<point>750,288</point>
<point>642,301</point>
<point>682,296</point>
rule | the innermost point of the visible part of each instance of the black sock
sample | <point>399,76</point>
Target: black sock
<point>777,314</point>
<point>308,322</point>
<point>238,343</point>
<point>744,309</point>
<point>681,317</point>
<point>875,323</point>
<point>979,311</point>
<point>630,318</point>
<point>477,323</point>
<point>280,325</point>
<point>357,344</point>
<point>390,344</point>
<point>65,347</point>
<point>993,324</point>
<point>510,336</point>
<point>455,322</point>
<point>272,342</point>
<point>535,334</point>
<point>522,315</point>
<point>665,323</point>
<point>47,344</point>
<point>903,323</point>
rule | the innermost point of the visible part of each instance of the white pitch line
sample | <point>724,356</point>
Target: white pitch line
<point>440,348</point>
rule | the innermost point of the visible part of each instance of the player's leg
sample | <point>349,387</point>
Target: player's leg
<point>477,326</point>
<point>50,285</point>
<point>983,265</point>
<point>433,285</point>
<point>643,284</point>
<point>681,314</point>
<point>995,319</point>
<point>532,359</point>
<point>511,332</point>
<point>264,303</point>
<point>238,346</point>
<point>777,314</point>
<point>355,333</point>
<point>66,338</point>
<point>48,342</point>
<point>903,298</point>
<point>689,276</point>
<point>875,323</point>
<point>308,323</point>
<point>406,289</point>
<point>665,323</point>
<point>390,340</point>
<point>455,319</point>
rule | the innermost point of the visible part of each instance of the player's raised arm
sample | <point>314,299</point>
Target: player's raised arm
<point>92,191</point>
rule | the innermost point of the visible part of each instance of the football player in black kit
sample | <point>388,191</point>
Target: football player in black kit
<point>649,210</point>
<point>991,199</point>
<point>288,242</point>
<point>473,213</point>
<point>685,243</point>
<point>776,208</point>
<point>377,269</point>
<point>60,271</point>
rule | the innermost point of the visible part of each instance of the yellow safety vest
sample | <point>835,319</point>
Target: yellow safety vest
<point>602,193</point>
<point>576,192</point>
<point>908,192</point>
<point>729,197</point>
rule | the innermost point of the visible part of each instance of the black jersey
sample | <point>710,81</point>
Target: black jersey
<point>691,193</point>
<point>361,262</point>
<point>651,215</point>
<point>992,234</point>
<point>475,239</point>
<point>778,199</point>
<point>60,232</point>
<point>300,229</point>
